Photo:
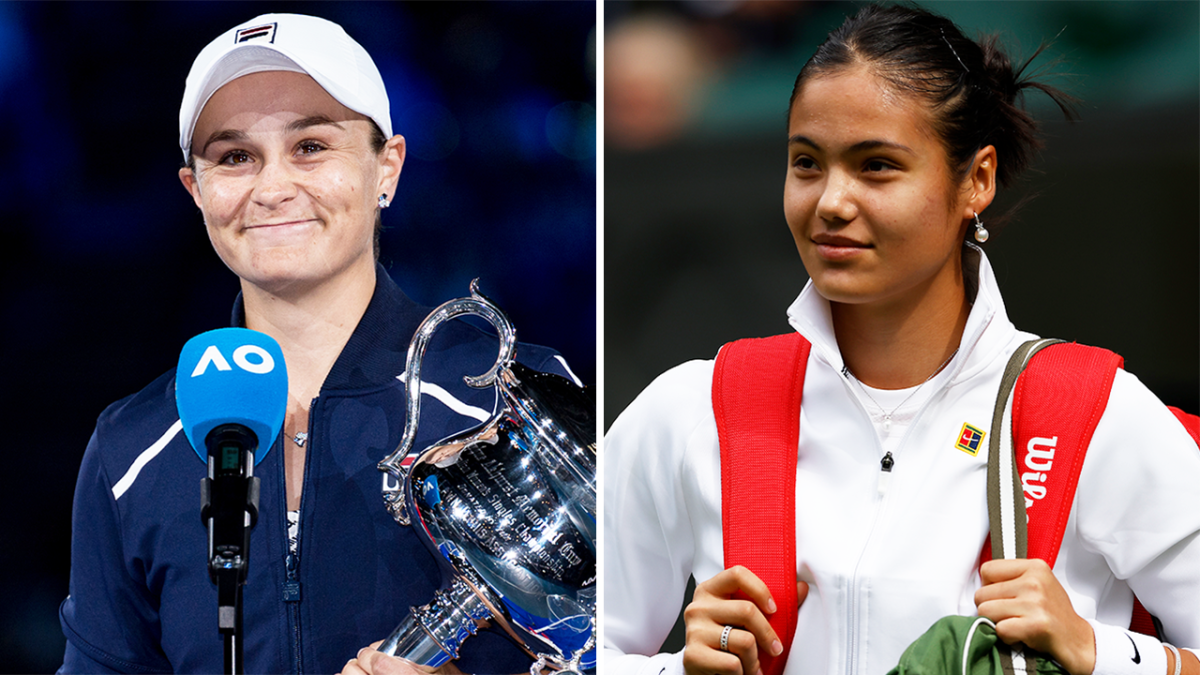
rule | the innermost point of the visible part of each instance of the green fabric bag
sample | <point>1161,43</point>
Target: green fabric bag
<point>967,645</point>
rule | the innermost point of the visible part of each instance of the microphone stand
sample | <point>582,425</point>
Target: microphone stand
<point>229,507</point>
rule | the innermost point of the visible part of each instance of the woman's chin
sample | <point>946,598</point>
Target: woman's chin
<point>277,270</point>
<point>844,288</point>
<point>284,272</point>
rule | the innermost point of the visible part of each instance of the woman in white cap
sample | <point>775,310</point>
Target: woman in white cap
<point>290,156</point>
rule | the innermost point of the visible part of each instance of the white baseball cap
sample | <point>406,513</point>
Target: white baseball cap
<point>293,42</point>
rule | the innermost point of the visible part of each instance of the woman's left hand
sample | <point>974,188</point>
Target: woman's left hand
<point>1028,604</point>
<point>372,662</point>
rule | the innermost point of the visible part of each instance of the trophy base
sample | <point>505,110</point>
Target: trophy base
<point>431,634</point>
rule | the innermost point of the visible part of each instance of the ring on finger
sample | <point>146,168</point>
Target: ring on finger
<point>725,638</point>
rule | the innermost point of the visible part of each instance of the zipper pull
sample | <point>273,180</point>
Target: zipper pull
<point>291,587</point>
<point>885,472</point>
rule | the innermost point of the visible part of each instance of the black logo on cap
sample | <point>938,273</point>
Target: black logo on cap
<point>265,33</point>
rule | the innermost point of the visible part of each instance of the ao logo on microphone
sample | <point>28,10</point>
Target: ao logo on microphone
<point>250,358</point>
<point>231,376</point>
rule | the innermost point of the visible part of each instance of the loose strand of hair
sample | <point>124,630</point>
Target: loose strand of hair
<point>1066,102</point>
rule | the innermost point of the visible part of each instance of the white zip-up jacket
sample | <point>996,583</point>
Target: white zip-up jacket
<point>887,555</point>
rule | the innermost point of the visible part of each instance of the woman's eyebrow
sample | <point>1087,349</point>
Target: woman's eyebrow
<point>877,144</point>
<point>311,121</point>
<point>871,144</point>
<point>803,140</point>
<point>223,135</point>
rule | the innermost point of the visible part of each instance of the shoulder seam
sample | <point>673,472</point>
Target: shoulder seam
<point>101,656</point>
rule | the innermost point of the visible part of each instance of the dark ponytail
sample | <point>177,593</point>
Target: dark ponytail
<point>972,88</point>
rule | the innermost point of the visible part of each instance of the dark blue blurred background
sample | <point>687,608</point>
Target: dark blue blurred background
<point>106,268</point>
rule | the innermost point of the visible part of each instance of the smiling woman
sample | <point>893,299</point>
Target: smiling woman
<point>289,184</point>
<point>899,130</point>
<point>289,154</point>
<point>878,216</point>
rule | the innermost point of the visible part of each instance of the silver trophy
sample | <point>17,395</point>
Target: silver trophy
<point>510,505</point>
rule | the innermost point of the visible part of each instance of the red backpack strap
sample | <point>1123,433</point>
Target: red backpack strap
<point>1062,396</point>
<point>1189,421</point>
<point>1057,403</point>
<point>757,385</point>
<point>1143,622</point>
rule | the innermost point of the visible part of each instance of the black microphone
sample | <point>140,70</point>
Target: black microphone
<point>231,392</point>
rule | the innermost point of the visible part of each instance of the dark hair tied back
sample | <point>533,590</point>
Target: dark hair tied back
<point>972,87</point>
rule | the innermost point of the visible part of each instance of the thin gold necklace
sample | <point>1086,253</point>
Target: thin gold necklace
<point>887,416</point>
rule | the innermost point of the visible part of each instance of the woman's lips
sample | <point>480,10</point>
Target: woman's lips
<point>837,248</point>
<point>280,233</point>
<point>285,223</point>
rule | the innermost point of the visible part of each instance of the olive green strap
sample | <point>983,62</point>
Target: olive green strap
<point>1006,499</point>
<point>1005,495</point>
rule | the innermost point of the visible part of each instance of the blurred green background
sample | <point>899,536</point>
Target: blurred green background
<point>696,250</point>
<point>697,253</point>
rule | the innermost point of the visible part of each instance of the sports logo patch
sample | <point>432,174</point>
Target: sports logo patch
<point>969,440</point>
<point>265,33</point>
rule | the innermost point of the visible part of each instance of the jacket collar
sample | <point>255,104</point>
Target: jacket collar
<point>987,331</point>
<point>377,350</point>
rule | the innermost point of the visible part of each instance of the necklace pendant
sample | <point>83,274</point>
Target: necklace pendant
<point>300,438</point>
<point>887,423</point>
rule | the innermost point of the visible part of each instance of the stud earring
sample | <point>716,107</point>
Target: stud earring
<point>383,201</point>
<point>981,233</point>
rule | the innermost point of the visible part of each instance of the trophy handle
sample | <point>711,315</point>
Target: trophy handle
<point>571,666</point>
<point>478,305</point>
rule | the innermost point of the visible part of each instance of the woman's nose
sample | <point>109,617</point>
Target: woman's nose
<point>274,185</point>
<point>837,201</point>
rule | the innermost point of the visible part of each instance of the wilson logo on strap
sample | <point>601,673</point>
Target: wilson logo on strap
<point>1039,459</point>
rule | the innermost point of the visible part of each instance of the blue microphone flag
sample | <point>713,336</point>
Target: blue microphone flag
<point>231,376</point>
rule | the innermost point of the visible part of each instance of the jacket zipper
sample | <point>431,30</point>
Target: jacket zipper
<point>852,607</point>
<point>291,561</point>
<point>291,596</point>
<point>886,464</point>
<point>291,585</point>
<point>885,473</point>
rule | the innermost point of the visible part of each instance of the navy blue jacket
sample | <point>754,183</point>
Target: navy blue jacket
<point>140,597</point>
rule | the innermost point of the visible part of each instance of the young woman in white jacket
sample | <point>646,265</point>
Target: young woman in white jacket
<point>899,130</point>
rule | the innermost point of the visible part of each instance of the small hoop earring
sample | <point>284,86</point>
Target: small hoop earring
<point>383,201</point>
<point>981,233</point>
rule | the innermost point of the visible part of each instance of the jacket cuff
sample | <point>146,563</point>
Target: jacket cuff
<point>614,661</point>
<point>675,664</point>
<point>1122,652</point>
<point>664,664</point>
